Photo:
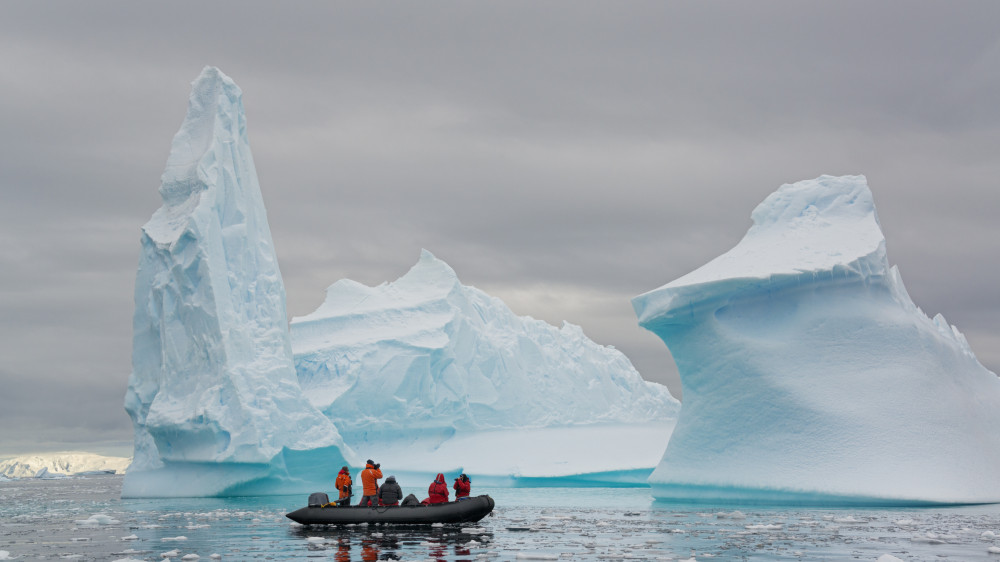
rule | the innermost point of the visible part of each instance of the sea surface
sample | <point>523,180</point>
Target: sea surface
<point>83,518</point>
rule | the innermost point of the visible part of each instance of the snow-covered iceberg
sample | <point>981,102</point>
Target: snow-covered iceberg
<point>810,376</point>
<point>427,375</point>
<point>213,395</point>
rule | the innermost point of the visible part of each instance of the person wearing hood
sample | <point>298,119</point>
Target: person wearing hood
<point>463,487</point>
<point>369,481</point>
<point>343,484</point>
<point>390,493</point>
<point>438,490</point>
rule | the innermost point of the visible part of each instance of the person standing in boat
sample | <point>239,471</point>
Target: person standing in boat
<point>343,485</point>
<point>369,481</point>
<point>390,493</point>
<point>462,486</point>
<point>438,490</point>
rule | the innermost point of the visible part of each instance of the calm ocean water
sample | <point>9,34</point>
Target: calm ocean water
<point>84,519</point>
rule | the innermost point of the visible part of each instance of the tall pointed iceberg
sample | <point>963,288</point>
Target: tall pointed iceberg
<point>810,376</point>
<point>426,375</point>
<point>213,394</point>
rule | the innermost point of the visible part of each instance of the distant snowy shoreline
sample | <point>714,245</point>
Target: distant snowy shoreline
<point>61,464</point>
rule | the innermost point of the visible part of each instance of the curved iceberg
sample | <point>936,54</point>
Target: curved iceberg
<point>810,376</point>
<point>427,375</point>
<point>213,395</point>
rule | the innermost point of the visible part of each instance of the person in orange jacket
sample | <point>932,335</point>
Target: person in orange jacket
<point>438,490</point>
<point>369,481</point>
<point>343,484</point>
<point>462,486</point>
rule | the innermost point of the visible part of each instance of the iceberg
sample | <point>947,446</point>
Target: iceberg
<point>426,375</point>
<point>213,395</point>
<point>809,374</point>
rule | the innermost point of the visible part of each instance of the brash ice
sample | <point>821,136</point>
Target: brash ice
<point>809,374</point>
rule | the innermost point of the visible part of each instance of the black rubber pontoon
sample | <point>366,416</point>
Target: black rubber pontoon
<point>463,511</point>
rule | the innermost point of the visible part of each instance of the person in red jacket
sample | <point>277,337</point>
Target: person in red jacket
<point>369,480</point>
<point>462,486</point>
<point>438,490</point>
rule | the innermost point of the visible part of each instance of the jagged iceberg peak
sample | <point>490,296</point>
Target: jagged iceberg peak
<point>810,376</point>
<point>430,279</point>
<point>426,357</point>
<point>431,351</point>
<point>213,394</point>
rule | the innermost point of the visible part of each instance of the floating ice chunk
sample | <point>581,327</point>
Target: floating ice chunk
<point>169,554</point>
<point>472,530</point>
<point>122,560</point>
<point>216,556</point>
<point>190,557</point>
<point>132,537</point>
<point>179,538</point>
<point>764,527</point>
<point>993,550</point>
<point>315,539</point>
<point>988,535</point>
<point>889,558</point>
<point>536,556</point>
<point>97,519</point>
<point>929,538</point>
<point>731,515</point>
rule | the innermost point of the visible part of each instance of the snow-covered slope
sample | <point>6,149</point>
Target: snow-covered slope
<point>426,374</point>
<point>27,466</point>
<point>213,395</point>
<point>810,376</point>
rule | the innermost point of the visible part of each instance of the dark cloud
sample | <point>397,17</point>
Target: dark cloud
<point>563,156</point>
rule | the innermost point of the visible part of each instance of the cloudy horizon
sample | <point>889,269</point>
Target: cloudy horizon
<point>564,157</point>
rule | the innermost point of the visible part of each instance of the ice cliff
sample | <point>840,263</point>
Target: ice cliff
<point>428,375</point>
<point>213,395</point>
<point>810,376</point>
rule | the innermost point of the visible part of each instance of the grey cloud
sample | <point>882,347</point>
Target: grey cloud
<point>598,148</point>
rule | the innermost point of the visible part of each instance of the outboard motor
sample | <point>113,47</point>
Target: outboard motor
<point>318,499</point>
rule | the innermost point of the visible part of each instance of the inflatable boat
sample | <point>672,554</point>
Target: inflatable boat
<point>467,510</point>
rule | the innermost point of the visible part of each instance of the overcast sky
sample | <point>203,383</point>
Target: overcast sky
<point>563,156</point>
